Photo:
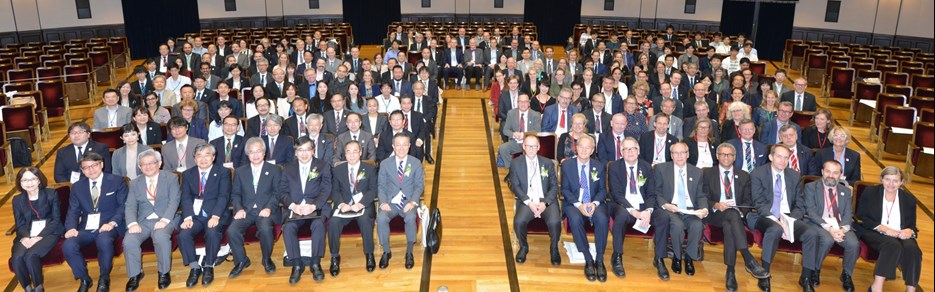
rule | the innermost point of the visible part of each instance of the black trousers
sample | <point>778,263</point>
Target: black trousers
<point>772,234</point>
<point>474,72</point>
<point>894,252</point>
<point>290,236</point>
<point>735,236</point>
<point>27,263</point>
<point>658,220</point>
<point>213,238</point>
<point>522,217</point>
<point>264,232</point>
<point>364,222</point>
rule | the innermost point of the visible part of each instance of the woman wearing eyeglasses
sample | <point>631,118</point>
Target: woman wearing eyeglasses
<point>37,213</point>
<point>849,159</point>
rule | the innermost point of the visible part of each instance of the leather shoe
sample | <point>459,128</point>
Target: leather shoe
<point>556,257</point>
<point>806,284</point>
<point>730,281</point>
<point>370,263</point>
<point>85,284</point>
<point>385,260</point>
<point>238,268</point>
<point>296,275</point>
<point>661,271</point>
<point>317,273</point>
<point>269,266</point>
<point>428,158</point>
<point>164,281</point>
<point>103,285</point>
<point>753,267</point>
<point>134,282</point>
<point>763,284</point>
<point>192,278</point>
<point>335,267</point>
<point>601,272</point>
<point>207,276</point>
<point>677,266</point>
<point>409,261</point>
<point>689,267</point>
<point>616,264</point>
<point>521,254</point>
<point>816,278</point>
<point>589,271</point>
<point>847,283</point>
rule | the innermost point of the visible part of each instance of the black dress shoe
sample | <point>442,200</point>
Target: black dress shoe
<point>371,264</point>
<point>192,278</point>
<point>730,282</point>
<point>689,267</point>
<point>207,276</point>
<point>134,282</point>
<point>521,254</point>
<point>616,264</point>
<point>296,275</point>
<point>385,260</point>
<point>753,267</point>
<point>816,278</point>
<point>238,268</point>
<point>164,281</point>
<point>806,284</point>
<point>763,284</point>
<point>847,283</point>
<point>85,284</point>
<point>409,261</point>
<point>555,256</point>
<point>601,272</point>
<point>589,271</point>
<point>428,158</point>
<point>269,266</point>
<point>335,267</point>
<point>677,266</point>
<point>317,273</point>
<point>661,270</point>
<point>103,285</point>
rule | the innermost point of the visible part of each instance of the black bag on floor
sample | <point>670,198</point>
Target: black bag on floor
<point>21,152</point>
<point>434,237</point>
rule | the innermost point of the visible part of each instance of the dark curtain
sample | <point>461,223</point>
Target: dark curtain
<point>555,19</point>
<point>150,23</point>
<point>369,18</point>
<point>775,25</point>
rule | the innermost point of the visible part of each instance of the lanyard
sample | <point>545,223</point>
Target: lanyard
<point>889,212</point>
<point>33,208</point>
<point>830,201</point>
<point>821,142</point>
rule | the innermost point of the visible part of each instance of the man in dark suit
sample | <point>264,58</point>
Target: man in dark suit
<point>752,153</point>
<point>771,132</point>
<point>475,60</point>
<point>427,61</point>
<point>453,66</point>
<point>191,62</point>
<point>353,189</point>
<point>298,55</point>
<point>400,85</point>
<point>598,120</point>
<point>309,85</point>
<point>700,110</point>
<point>397,126</point>
<point>335,118</point>
<point>830,212</point>
<point>67,166</point>
<point>255,124</point>
<point>800,159</point>
<point>801,100</point>
<point>777,193</point>
<point>277,88</point>
<point>556,118</point>
<point>308,62</point>
<point>279,148</point>
<point>583,192</point>
<point>143,85</point>
<point>534,183</point>
<point>308,198</point>
<point>231,146</point>
<point>508,97</point>
<point>254,196</point>
<point>729,196</point>
<point>700,91</point>
<point>654,144</point>
<point>95,215</point>
<point>224,94</point>
<point>613,102</point>
<point>633,192</point>
<point>205,195</point>
<point>262,75</point>
<point>295,126</point>
<point>401,184</point>
<point>324,144</point>
<point>680,193</point>
<point>610,142</point>
<point>364,139</point>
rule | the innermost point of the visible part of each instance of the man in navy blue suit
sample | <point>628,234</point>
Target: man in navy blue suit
<point>279,149</point>
<point>230,146</point>
<point>97,202</point>
<point>611,142</point>
<point>800,159</point>
<point>552,120</point>
<point>770,132</point>
<point>750,153</point>
<point>400,85</point>
<point>583,193</point>
<point>205,195</point>
<point>67,158</point>
<point>304,189</point>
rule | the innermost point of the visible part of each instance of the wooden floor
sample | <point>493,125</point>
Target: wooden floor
<point>478,245</point>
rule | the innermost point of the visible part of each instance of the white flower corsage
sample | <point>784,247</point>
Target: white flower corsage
<point>594,177</point>
<point>360,175</point>
<point>408,170</point>
<point>543,172</point>
<point>313,174</point>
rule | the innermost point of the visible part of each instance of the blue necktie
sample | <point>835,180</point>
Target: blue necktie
<point>585,186</point>
<point>777,197</point>
<point>201,190</point>
<point>632,181</point>
<point>680,189</point>
<point>748,157</point>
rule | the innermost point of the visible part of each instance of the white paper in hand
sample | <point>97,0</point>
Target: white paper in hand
<point>397,199</point>
<point>788,228</point>
<point>94,222</point>
<point>196,206</point>
<point>638,226</point>
<point>36,228</point>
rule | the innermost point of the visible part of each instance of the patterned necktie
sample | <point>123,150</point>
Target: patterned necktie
<point>597,123</point>
<point>399,171</point>
<point>832,197</point>
<point>795,162</point>
<point>727,185</point>
<point>95,194</point>
<point>632,181</point>
<point>561,119</point>
<point>227,152</point>
<point>80,152</point>
<point>680,188</point>
<point>585,186</point>
<point>272,144</point>
<point>204,181</point>
<point>262,127</point>
<point>748,156</point>
<point>353,179</point>
<point>777,197</point>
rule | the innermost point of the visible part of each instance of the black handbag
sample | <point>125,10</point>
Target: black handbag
<point>434,237</point>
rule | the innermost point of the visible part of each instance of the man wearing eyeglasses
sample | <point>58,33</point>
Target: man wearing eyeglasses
<point>519,121</point>
<point>67,158</point>
<point>255,201</point>
<point>801,100</point>
<point>681,196</point>
<point>535,185</point>
<point>771,131</point>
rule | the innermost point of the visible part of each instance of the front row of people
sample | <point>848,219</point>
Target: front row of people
<point>208,200</point>
<point>676,199</point>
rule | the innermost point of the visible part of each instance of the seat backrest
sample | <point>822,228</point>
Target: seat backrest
<point>53,93</point>
<point>898,89</point>
<point>895,78</point>
<point>928,115</point>
<point>887,99</point>
<point>921,103</point>
<point>842,79</point>
<point>899,116</point>
<point>924,81</point>
<point>18,117</point>
<point>924,134</point>
<point>925,92</point>
<point>112,137</point>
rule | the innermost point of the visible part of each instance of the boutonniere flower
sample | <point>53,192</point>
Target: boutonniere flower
<point>408,170</point>
<point>594,177</point>
<point>640,179</point>
<point>543,172</point>
<point>313,174</point>
<point>360,175</point>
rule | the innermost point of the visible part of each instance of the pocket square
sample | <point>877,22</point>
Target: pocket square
<point>108,194</point>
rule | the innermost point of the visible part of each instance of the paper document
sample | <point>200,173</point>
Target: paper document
<point>638,226</point>
<point>788,228</point>
<point>691,212</point>
<point>576,257</point>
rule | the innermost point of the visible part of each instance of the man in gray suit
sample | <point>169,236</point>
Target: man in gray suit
<point>401,183</point>
<point>368,150</point>
<point>112,114</point>
<point>150,212</point>
<point>475,60</point>
<point>211,80</point>
<point>675,123</point>
<point>179,153</point>
<point>680,190</point>
<point>535,185</point>
<point>519,121</point>
<point>777,191</point>
<point>828,205</point>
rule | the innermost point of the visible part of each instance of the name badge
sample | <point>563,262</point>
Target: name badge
<point>730,203</point>
<point>271,161</point>
<point>229,165</point>
<point>396,94</point>
<point>254,206</point>
<point>36,228</point>
<point>94,222</point>
<point>75,176</point>
<point>152,216</point>
<point>180,169</point>
<point>357,197</point>
<point>196,205</point>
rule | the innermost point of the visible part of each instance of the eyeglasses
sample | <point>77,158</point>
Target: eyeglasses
<point>531,146</point>
<point>726,154</point>
<point>303,150</point>
<point>90,166</point>
<point>29,180</point>
<point>77,132</point>
<point>630,149</point>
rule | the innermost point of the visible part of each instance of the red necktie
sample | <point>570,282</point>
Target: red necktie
<point>795,162</point>
<point>522,122</point>
<point>619,152</point>
<point>561,120</point>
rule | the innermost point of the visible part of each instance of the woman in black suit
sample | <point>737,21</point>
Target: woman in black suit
<point>888,216</point>
<point>816,136</point>
<point>126,95</point>
<point>701,145</point>
<point>849,159</point>
<point>37,213</point>
<point>567,141</point>
<point>150,131</point>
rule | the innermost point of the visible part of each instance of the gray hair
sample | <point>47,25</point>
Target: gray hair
<point>317,117</point>
<point>256,140</point>
<point>726,145</point>
<point>274,119</point>
<point>147,153</point>
<point>892,170</point>
<point>262,60</point>
<point>201,147</point>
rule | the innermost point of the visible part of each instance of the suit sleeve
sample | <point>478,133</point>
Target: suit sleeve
<point>760,193</point>
<point>516,182</point>
<point>187,196</point>
<point>55,215</point>
<point>121,193</point>
<point>658,182</point>
<point>273,201</point>
<point>335,192</point>
<point>419,176</point>
<point>799,210</point>
<point>74,210</point>
<point>174,198</point>
<point>237,192</point>
<point>220,206</point>
<point>384,177</point>
<point>616,184</point>
<point>552,195</point>
<point>371,188</point>
<point>702,197</point>
<point>61,173</point>
<point>22,223</point>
